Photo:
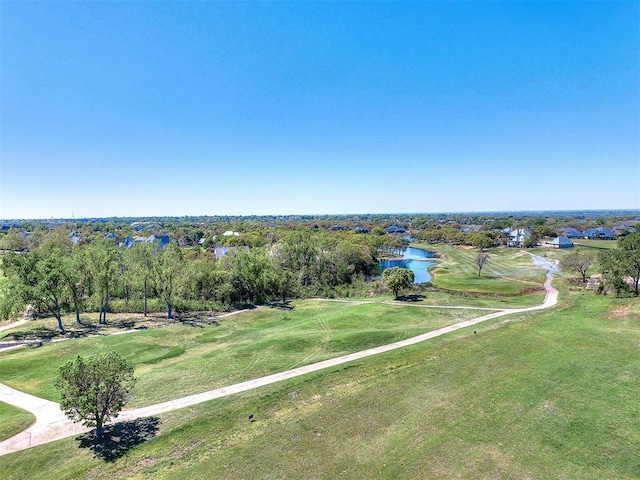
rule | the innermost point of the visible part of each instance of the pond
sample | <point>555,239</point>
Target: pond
<point>415,260</point>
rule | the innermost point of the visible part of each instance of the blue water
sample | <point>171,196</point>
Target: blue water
<point>415,260</point>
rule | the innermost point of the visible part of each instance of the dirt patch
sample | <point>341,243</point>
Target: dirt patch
<point>526,291</point>
<point>620,312</point>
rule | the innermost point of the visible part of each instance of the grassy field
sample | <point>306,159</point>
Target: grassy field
<point>13,420</point>
<point>508,272</point>
<point>551,394</point>
<point>595,244</point>
<point>194,358</point>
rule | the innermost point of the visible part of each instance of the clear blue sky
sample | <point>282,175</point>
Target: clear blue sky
<point>148,108</point>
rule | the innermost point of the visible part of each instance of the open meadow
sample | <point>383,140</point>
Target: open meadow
<point>537,395</point>
<point>546,394</point>
<point>199,356</point>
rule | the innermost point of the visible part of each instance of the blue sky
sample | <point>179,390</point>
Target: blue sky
<point>203,108</point>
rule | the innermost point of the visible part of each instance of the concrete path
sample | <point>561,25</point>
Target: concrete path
<point>52,425</point>
<point>13,324</point>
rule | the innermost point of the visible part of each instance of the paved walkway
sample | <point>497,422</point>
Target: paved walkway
<point>51,424</point>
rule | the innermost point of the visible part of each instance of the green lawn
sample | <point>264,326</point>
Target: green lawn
<point>508,272</point>
<point>554,395</point>
<point>180,360</point>
<point>13,420</point>
<point>595,244</point>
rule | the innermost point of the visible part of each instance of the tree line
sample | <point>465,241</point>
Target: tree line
<point>57,277</point>
<point>619,266</point>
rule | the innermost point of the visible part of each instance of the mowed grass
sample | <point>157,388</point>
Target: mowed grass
<point>509,271</point>
<point>176,361</point>
<point>13,420</point>
<point>550,394</point>
<point>595,244</point>
<point>47,328</point>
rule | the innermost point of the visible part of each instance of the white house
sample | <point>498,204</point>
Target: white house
<point>560,242</point>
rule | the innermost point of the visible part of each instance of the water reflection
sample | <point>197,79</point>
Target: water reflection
<point>415,260</point>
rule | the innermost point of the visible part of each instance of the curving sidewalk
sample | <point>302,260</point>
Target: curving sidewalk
<point>51,424</point>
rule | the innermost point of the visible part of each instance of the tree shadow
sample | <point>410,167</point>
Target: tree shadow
<point>281,305</point>
<point>119,438</point>
<point>410,298</point>
<point>197,319</point>
<point>124,324</point>
<point>39,334</point>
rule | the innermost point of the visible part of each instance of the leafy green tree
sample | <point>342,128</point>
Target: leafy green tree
<point>577,262</point>
<point>12,241</point>
<point>397,279</point>
<point>482,240</point>
<point>102,261</point>
<point>42,278</point>
<point>77,278</point>
<point>140,262</point>
<point>168,270</point>
<point>73,264</point>
<point>252,275</point>
<point>299,253</point>
<point>630,245</point>
<point>622,262</point>
<point>614,269</point>
<point>94,390</point>
<point>11,297</point>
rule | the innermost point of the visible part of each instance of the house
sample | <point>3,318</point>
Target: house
<point>337,228</point>
<point>395,229</point>
<point>360,229</point>
<point>75,240</point>
<point>472,229</point>
<point>560,242</point>
<point>601,233</point>
<point>622,230</point>
<point>126,242</point>
<point>109,236</point>
<point>571,232</point>
<point>230,233</point>
<point>159,240</point>
<point>517,237</point>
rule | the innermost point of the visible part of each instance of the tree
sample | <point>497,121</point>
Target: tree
<point>72,268</point>
<point>102,258</point>
<point>622,262</point>
<point>140,260</point>
<point>12,241</point>
<point>630,245</point>
<point>613,267</point>
<point>482,240</point>
<point>397,278</point>
<point>41,275</point>
<point>95,389</point>
<point>76,276</point>
<point>482,258</point>
<point>578,263</point>
<point>252,275</point>
<point>168,269</point>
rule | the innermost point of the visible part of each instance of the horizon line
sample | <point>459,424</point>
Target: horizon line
<point>319,215</point>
